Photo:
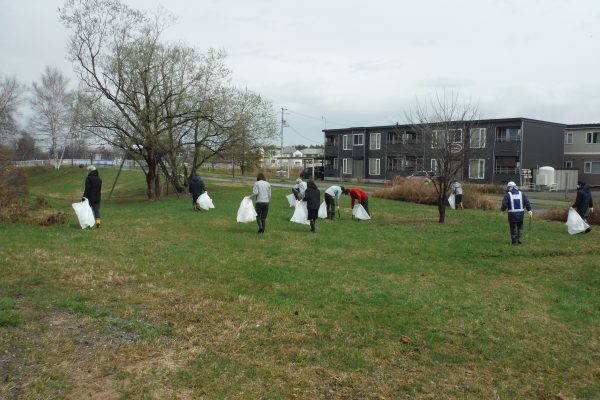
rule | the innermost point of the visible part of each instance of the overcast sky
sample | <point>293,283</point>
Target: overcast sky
<point>335,63</point>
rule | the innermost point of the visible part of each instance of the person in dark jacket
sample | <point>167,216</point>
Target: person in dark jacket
<point>516,203</point>
<point>583,201</point>
<point>93,187</point>
<point>312,196</point>
<point>196,188</point>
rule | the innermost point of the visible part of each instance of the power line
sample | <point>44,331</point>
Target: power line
<point>302,136</point>
<point>320,119</point>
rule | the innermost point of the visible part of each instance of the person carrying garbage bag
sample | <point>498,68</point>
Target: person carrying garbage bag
<point>515,202</point>
<point>360,196</point>
<point>312,196</point>
<point>583,202</point>
<point>196,188</point>
<point>332,199</point>
<point>93,187</point>
<point>262,192</point>
<point>298,189</point>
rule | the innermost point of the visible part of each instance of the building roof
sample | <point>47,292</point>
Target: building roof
<point>583,126</point>
<point>480,122</point>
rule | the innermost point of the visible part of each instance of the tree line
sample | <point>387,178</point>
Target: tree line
<point>169,106</point>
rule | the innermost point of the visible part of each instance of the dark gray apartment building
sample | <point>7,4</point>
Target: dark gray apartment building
<point>493,150</point>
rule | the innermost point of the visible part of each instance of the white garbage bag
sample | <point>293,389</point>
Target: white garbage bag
<point>301,213</point>
<point>205,202</point>
<point>452,202</point>
<point>359,212</point>
<point>246,212</point>
<point>291,199</point>
<point>84,212</point>
<point>323,210</point>
<point>575,224</point>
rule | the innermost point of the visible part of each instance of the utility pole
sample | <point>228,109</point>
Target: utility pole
<point>283,124</point>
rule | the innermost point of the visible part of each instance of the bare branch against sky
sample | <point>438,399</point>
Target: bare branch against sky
<point>347,63</point>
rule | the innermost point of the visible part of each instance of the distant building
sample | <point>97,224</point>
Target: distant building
<point>582,151</point>
<point>495,151</point>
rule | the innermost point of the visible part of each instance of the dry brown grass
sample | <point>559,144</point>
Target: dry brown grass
<point>560,214</point>
<point>418,191</point>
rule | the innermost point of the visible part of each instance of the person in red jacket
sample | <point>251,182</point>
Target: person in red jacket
<point>359,195</point>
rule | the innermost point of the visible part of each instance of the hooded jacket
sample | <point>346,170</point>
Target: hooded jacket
<point>583,201</point>
<point>197,186</point>
<point>93,187</point>
<point>312,196</point>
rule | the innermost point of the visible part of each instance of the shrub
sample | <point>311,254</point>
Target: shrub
<point>417,191</point>
<point>560,214</point>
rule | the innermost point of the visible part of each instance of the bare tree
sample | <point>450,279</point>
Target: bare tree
<point>11,96</point>
<point>443,121</point>
<point>52,106</point>
<point>25,147</point>
<point>155,100</point>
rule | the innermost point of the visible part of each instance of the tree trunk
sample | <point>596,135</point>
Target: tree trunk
<point>442,209</point>
<point>152,180</point>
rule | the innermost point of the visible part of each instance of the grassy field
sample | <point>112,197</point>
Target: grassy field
<point>165,303</point>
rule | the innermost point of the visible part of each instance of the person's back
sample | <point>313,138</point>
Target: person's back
<point>312,196</point>
<point>197,186</point>
<point>93,187</point>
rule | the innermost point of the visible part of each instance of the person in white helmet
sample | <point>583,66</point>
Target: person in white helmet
<point>515,202</point>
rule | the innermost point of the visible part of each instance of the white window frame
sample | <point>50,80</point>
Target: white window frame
<point>480,168</point>
<point>377,166</point>
<point>569,138</point>
<point>374,141</point>
<point>434,165</point>
<point>481,136</point>
<point>345,163</point>
<point>568,164</point>
<point>360,141</point>
<point>588,167</point>
<point>346,142</point>
<point>589,137</point>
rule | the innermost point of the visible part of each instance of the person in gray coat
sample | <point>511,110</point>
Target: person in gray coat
<point>262,192</point>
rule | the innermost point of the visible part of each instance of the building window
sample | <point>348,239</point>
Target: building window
<point>394,137</point>
<point>330,140</point>
<point>508,135</point>
<point>593,137</point>
<point>358,139</point>
<point>410,137</point>
<point>374,166</point>
<point>347,143</point>
<point>591,167</point>
<point>569,138</point>
<point>568,164</point>
<point>394,164</point>
<point>375,141</point>
<point>434,166</point>
<point>477,140</point>
<point>347,166</point>
<point>477,169</point>
<point>440,139</point>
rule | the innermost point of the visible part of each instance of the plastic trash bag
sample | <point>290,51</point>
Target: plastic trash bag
<point>359,212</point>
<point>246,212</point>
<point>291,199</point>
<point>452,202</point>
<point>323,210</point>
<point>205,202</point>
<point>575,224</point>
<point>84,212</point>
<point>300,213</point>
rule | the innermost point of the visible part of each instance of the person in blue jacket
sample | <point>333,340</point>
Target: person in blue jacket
<point>515,202</point>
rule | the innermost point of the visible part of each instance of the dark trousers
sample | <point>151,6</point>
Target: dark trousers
<point>262,209</point>
<point>516,231</point>
<point>365,204</point>
<point>330,203</point>
<point>96,209</point>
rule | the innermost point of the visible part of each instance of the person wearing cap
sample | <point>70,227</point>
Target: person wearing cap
<point>93,187</point>
<point>299,188</point>
<point>358,195</point>
<point>583,201</point>
<point>515,202</point>
<point>332,199</point>
<point>196,188</point>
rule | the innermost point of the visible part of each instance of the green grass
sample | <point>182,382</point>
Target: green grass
<point>164,302</point>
